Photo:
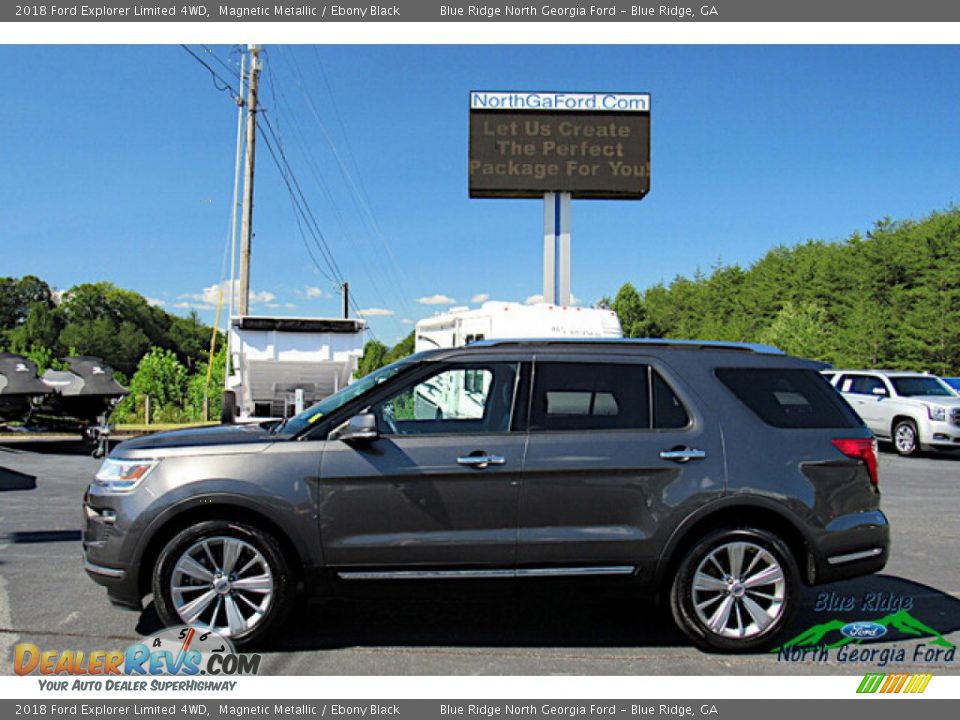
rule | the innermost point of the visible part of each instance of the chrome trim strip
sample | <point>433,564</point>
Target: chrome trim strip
<point>850,557</point>
<point>496,573</point>
<point>105,571</point>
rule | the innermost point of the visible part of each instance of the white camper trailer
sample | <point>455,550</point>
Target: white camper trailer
<point>280,365</point>
<point>503,320</point>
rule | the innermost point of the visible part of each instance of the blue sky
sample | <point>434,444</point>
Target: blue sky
<point>118,165</point>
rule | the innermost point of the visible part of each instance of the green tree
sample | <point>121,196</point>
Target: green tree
<point>630,309</point>
<point>401,350</point>
<point>40,328</point>
<point>198,382</point>
<point>799,330</point>
<point>162,378</point>
<point>372,359</point>
<point>18,295</point>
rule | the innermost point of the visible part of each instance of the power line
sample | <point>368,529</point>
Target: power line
<point>290,181</point>
<point>338,215</point>
<point>303,208</point>
<point>218,81</point>
<point>358,196</point>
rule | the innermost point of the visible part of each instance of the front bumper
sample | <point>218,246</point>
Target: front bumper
<point>939,435</point>
<point>850,546</point>
<point>102,542</point>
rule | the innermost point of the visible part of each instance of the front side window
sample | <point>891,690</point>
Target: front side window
<point>462,399</point>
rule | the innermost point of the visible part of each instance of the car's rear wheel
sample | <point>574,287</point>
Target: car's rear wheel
<point>905,438</point>
<point>735,590</point>
<point>228,577</point>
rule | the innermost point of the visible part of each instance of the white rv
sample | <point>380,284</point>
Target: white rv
<point>280,365</point>
<point>503,320</point>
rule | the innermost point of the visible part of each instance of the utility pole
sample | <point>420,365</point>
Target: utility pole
<point>345,288</point>
<point>246,221</point>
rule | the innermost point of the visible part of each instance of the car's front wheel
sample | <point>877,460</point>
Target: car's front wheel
<point>735,590</point>
<point>229,577</point>
<point>905,438</point>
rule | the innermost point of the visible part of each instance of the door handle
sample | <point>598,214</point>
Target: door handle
<point>481,461</point>
<point>682,455</point>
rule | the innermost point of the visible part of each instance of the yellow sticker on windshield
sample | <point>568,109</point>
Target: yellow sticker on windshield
<point>314,418</point>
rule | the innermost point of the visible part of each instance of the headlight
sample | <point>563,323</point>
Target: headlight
<point>123,475</point>
<point>937,413</point>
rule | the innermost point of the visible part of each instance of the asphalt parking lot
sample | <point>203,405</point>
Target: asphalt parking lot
<point>46,599</point>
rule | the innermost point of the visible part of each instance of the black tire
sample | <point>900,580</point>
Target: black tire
<point>252,541</point>
<point>759,544</point>
<point>906,439</point>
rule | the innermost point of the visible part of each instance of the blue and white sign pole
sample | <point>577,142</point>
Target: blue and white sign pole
<point>556,248</point>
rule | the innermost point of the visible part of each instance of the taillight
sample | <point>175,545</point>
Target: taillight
<point>861,449</point>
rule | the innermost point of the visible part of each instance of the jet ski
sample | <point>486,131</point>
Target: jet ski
<point>20,389</point>
<point>87,392</point>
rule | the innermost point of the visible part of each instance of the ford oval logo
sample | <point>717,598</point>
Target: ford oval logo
<point>863,630</point>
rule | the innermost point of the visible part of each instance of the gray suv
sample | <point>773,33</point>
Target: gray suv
<point>721,476</point>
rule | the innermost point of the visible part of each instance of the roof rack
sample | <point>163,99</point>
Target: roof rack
<point>652,342</point>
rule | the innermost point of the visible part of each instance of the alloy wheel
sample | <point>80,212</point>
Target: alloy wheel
<point>905,439</point>
<point>738,590</point>
<point>222,583</point>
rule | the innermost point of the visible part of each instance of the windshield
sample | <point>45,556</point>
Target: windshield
<point>913,386</point>
<point>322,409</point>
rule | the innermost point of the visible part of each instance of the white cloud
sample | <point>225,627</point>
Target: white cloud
<point>273,306</point>
<point>437,299</point>
<point>408,321</point>
<point>289,306</point>
<point>155,302</point>
<point>312,291</point>
<point>209,295</point>
<point>375,312</point>
<point>264,296</point>
<point>534,299</point>
<point>480,298</point>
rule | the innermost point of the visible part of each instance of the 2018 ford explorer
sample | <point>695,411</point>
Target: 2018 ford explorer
<point>720,475</point>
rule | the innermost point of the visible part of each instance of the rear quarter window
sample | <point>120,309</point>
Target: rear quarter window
<point>789,398</point>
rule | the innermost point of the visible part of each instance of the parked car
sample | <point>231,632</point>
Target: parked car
<point>719,476</point>
<point>915,411</point>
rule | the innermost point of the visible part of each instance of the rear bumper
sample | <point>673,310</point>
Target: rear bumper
<point>851,546</point>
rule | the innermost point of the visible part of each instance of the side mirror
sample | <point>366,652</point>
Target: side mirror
<point>358,429</point>
<point>880,392</point>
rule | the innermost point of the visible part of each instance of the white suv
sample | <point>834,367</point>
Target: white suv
<point>914,410</point>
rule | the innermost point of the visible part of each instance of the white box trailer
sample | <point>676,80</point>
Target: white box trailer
<point>504,320</point>
<point>280,364</point>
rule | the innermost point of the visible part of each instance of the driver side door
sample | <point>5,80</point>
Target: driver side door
<point>438,490</point>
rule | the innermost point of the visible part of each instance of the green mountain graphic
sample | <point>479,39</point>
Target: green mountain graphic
<point>901,621</point>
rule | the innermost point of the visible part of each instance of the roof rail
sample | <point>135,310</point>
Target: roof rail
<point>653,342</point>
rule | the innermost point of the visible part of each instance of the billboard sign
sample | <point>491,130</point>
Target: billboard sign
<point>591,145</point>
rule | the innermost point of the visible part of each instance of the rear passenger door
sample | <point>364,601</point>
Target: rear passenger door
<point>861,392</point>
<point>614,448</point>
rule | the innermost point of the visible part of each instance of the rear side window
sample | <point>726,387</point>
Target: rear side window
<point>788,398</point>
<point>668,411</point>
<point>580,396</point>
<point>861,384</point>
